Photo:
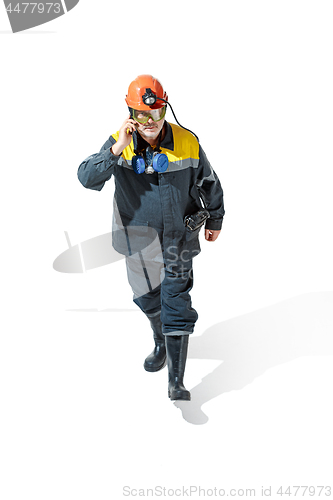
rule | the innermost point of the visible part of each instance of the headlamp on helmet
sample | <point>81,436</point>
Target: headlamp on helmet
<point>149,98</point>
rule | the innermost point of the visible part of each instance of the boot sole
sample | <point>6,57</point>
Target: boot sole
<point>151,369</point>
<point>179,397</point>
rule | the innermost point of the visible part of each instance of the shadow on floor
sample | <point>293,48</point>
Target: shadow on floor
<point>253,343</point>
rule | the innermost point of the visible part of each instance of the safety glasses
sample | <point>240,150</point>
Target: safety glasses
<point>143,116</point>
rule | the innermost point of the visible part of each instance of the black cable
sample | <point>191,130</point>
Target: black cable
<point>160,99</point>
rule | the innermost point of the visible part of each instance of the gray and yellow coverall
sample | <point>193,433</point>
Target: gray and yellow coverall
<point>156,204</point>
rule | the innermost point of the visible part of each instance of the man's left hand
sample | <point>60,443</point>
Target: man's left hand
<point>211,235</point>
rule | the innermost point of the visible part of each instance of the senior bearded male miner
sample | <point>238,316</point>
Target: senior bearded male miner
<point>163,184</point>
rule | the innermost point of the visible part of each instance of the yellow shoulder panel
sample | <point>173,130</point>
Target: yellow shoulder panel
<point>185,145</point>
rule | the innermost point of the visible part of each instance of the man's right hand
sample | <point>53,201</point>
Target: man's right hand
<point>125,136</point>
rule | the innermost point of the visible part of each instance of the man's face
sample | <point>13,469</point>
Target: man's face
<point>150,129</point>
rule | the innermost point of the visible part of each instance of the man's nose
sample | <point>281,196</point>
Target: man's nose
<point>150,120</point>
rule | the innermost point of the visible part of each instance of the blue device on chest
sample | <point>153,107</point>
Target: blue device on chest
<point>150,162</point>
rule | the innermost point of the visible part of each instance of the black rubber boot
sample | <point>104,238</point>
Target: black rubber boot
<point>157,359</point>
<point>176,347</point>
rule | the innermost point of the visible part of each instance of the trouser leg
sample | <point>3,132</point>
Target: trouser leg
<point>142,275</point>
<point>178,316</point>
<point>172,298</point>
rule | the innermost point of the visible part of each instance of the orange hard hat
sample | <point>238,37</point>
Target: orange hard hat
<point>138,89</point>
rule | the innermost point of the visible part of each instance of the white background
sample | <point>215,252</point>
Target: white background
<point>80,418</point>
